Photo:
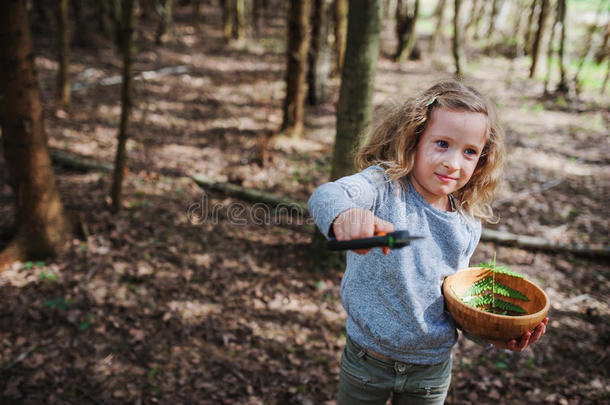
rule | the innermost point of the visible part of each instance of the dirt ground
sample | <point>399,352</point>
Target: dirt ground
<point>158,306</point>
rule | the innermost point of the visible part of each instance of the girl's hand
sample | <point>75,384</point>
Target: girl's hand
<point>524,341</point>
<point>356,223</point>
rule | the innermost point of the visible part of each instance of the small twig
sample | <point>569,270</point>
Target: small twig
<point>21,357</point>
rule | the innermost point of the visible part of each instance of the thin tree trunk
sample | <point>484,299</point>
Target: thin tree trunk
<point>604,49</point>
<point>529,29</point>
<point>438,31</point>
<point>166,21</point>
<point>355,104</point>
<point>456,39</point>
<point>405,29</point>
<point>495,9</point>
<point>354,107</point>
<point>605,83</point>
<point>296,67</point>
<point>42,224</point>
<point>544,11</point>
<point>562,87</point>
<point>63,73</point>
<point>319,53</point>
<point>588,47</point>
<point>197,14</point>
<point>341,9</point>
<point>471,20</point>
<point>103,13</point>
<point>478,19</point>
<point>549,55</point>
<point>239,25</point>
<point>126,103</point>
<point>227,19</point>
<point>82,31</point>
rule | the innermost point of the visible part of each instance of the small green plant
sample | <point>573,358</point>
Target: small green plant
<point>485,294</point>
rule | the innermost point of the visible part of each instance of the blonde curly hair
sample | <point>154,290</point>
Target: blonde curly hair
<point>396,131</point>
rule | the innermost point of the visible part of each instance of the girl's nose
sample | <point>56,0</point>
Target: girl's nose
<point>451,161</point>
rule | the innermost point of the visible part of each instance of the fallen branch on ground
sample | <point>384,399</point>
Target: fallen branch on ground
<point>259,196</point>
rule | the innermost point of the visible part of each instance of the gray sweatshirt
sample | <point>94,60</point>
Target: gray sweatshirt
<point>394,303</point>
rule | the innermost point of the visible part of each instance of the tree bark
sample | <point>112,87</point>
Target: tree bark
<point>405,29</point>
<point>227,19</point>
<point>296,67</point>
<point>167,12</point>
<point>495,9</point>
<point>355,105</point>
<point>341,9</point>
<point>42,223</point>
<point>239,24</point>
<point>456,39</point>
<point>529,28</point>
<point>319,54</point>
<point>562,87</point>
<point>544,11</point>
<point>126,103</point>
<point>588,46</point>
<point>63,73</point>
<point>354,108</point>
<point>549,55</point>
<point>438,31</point>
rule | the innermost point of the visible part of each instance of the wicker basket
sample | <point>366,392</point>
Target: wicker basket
<point>492,326</point>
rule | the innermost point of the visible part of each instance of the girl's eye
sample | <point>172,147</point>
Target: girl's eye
<point>470,152</point>
<point>442,144</point>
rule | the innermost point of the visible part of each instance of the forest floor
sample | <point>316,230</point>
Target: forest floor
<point>154,307</point>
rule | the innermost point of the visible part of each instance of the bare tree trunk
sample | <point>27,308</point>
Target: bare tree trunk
<point>355,105</point>
<point>103,13</point>
<point>63,74</point>
<point>82,30</point>
<point>587,49</point>
<point>544,11</point>
<point>197,14</point>
<point>495,9</point>
<point>549,55</point>
<point>438,31</point>
<point>227,19</point>
<point>405,29</point>
<point>239,25</point>
<point>126,103</point>
<point>471,20</point>
<point>604,49</point>
<point>42,224</point>
<point>562,87</point>
<point>478,18</point>
<point>296,67</point>
<point>529,28</point>
<point>319,53</point>
<point>341,8</point>
<point>456,39</point>
<point>166,21</point>
<point>605,83</point>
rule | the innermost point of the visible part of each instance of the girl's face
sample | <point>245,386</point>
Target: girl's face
<point>447,154</point>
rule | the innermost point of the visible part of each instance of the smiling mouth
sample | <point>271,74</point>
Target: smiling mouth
<point>445,179</point>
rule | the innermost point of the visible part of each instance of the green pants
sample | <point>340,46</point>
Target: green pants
<point>369,379</point>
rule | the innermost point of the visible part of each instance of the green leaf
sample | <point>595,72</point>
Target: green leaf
<point>507,306</point>
<point>506,291</point>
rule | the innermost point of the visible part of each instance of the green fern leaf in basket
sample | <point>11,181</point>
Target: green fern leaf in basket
<point>507,306</point>
<point>479,287</point>
<point>500,270</point>
<point>483,293</point>
<point>506,291</point>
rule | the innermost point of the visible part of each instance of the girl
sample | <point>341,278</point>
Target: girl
<point>431,166</point>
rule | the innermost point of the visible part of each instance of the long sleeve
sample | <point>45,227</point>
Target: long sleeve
<point>361,190</point>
